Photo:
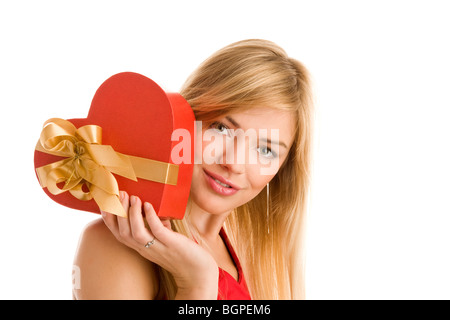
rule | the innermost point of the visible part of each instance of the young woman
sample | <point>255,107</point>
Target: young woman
<point>241,237</point>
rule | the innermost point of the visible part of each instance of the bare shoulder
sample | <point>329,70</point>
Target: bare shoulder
<point>109,269</point>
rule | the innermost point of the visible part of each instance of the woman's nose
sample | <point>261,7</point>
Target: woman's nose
<point>233,156</point>
<point>236,168</point>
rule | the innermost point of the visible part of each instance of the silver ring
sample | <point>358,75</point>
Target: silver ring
<point>148,244</point>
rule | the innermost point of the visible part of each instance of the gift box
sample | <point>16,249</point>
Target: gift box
<point>135,138</point>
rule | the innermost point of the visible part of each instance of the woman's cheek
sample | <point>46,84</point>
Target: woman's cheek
<point>256,180</point>
<point>212,150</point>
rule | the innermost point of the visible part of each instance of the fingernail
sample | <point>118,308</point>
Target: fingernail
<point>133,200</point>
<point>122,195</point>
<point>147,206</point>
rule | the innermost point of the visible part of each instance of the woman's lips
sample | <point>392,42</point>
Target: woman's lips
<point>221,185</point>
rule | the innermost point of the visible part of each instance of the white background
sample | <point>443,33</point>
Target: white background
<point>380,214</point>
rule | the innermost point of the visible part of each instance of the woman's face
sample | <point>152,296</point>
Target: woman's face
<point>240,153</point>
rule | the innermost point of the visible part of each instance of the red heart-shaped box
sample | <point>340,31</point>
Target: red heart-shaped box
<point>137,118</point>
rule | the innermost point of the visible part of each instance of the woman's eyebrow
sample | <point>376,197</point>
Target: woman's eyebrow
<point>280,143</point>
<point>234,123</point>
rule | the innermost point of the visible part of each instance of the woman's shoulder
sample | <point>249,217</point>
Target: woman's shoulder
<point>97,234</point>
<point>109,269</point>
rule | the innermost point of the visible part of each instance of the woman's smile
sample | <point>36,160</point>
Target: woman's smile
<point>220,185</point>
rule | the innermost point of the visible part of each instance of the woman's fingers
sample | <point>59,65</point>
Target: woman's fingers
<point>166,223</point>
<point>110,221</point>
<point>125,200</point>
<point>139,231</point>
<point>123,222</point>
<point>157,227</point>
<point>169,249</point>
<point>135,230</point>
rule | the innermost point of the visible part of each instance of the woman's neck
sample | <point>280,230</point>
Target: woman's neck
<point>207,225</point>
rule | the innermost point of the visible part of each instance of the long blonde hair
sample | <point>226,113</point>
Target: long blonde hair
<point>244,75</point>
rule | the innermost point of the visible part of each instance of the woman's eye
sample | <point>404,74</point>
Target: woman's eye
<point>220,128</point>
<point>266,152</point>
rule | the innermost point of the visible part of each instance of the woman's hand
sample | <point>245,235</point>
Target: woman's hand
<point>195,271</point>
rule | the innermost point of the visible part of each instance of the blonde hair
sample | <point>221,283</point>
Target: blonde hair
<point>244,75</point>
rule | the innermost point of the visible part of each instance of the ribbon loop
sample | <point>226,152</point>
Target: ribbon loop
<point>90,163</point>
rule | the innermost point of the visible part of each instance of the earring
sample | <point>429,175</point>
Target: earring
<point>267,209</point>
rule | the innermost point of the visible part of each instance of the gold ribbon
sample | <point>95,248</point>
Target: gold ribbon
<point>88,162</point>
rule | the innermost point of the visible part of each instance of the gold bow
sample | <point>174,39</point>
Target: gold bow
<point>88,162</point>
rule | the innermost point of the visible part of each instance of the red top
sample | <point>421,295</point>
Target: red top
<point>229,288</point>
